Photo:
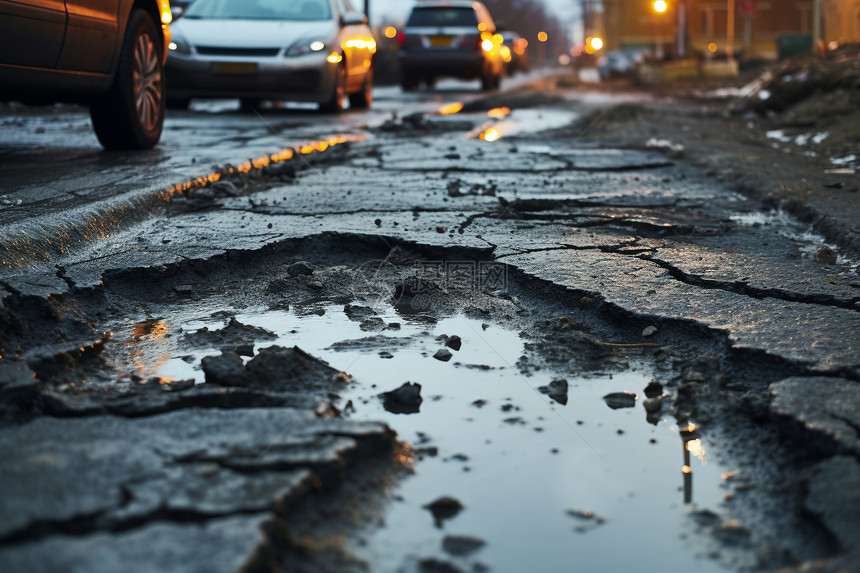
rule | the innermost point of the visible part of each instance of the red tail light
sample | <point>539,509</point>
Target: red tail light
<point>401,38</point>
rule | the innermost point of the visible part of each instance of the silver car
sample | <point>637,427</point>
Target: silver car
<point>318,51</point>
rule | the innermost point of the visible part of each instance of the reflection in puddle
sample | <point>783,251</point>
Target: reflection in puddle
<point>507,123</point>
<point>542,484</point>
<point>148,349</point>
<point>451,108</point>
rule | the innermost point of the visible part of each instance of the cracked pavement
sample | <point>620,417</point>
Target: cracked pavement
<point>621,238</point>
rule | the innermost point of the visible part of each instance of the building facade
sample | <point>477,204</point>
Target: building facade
<point>756,29</point>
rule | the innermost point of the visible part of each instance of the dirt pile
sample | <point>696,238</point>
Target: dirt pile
<point>810,93</point>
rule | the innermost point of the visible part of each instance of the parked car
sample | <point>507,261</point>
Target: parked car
<point>318,51</point>
<point>107,54</point>
<point>518,57</point>
<point>177,7</point>
<point>451,38</point>
<point>619,63</point>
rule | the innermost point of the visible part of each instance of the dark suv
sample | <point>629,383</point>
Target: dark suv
<point>451,38</point>
<point>108,54</point>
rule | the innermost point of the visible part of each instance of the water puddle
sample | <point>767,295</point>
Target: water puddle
<point>545,485</point>
<point>522,122</point>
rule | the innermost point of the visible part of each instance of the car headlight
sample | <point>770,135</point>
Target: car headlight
<point>305,47</point>
<point>180,45</point>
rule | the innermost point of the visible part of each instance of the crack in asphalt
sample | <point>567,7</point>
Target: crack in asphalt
<point>85,525</point>
<point>562,247</point>
<point>750,291</point>
<point>568,166</point>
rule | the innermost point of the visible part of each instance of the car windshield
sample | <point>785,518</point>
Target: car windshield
<point>438,17</point>
<point>302,10</point>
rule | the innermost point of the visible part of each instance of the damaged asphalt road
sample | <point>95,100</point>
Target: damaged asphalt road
<point>191,391</point>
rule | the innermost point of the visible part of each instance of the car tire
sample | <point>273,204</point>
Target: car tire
<point>249,105</point>
<point>364,98</point>
<point>178,103</point>
<point>338,95</point>
<point>131,114</point>
<point>409,82</point>
<point>487,82</point>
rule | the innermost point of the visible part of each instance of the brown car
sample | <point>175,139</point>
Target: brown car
<point>107,54</point>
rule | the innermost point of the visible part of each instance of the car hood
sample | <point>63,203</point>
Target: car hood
<point>252,33</point>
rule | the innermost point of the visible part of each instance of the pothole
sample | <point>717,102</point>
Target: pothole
<point>540,435</point>
<point>529,470</point>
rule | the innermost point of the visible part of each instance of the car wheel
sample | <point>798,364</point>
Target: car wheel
<point>131,114</point>
<point>487,81</point>
<point>409,82</point>
<point>179,103</point>
<point>249,105</point>
<point>335,102</point>
<point>364,98</point>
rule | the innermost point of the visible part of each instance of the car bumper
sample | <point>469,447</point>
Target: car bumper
<point>303,79</point>
<point>460,65</point>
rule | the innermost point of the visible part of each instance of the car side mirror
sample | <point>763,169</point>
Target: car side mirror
<point>353,19</point>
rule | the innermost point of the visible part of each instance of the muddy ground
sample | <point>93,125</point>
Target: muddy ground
<point>640,238</point>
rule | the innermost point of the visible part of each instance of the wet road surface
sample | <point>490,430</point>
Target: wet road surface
<point>551,260</point>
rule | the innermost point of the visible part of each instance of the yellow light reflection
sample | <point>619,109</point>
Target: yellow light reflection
<point>696,448</point>
<point>542,37</point>
<point>451,108</point>
<point>596,43</point>
<point>712,47</point>
<point>391,32</point>
<point>334,58</point>
<point>499,112</point>
<point>482,27</point>
<point>487,45</point>
<point>687,470</point>
<point>506,54</point>
<point>148,330</point>
<point>491,134</point>
<point>660,6</point>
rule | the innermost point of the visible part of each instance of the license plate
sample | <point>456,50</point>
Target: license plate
<point>441,40</point>
<point>236,68</point>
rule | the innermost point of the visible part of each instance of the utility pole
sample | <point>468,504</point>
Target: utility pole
<point>816,27</point>
<point>682,29</point>
<point>730,31</point>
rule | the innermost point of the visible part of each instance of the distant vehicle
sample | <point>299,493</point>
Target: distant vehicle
<point>452,38</point>
<point>515,47</point>
<point>177,7</point>
<point>318,51</point>
<point>108,55</point>
<point>618,63</point>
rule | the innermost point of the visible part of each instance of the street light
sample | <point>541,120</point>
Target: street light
<point>660,7</point>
